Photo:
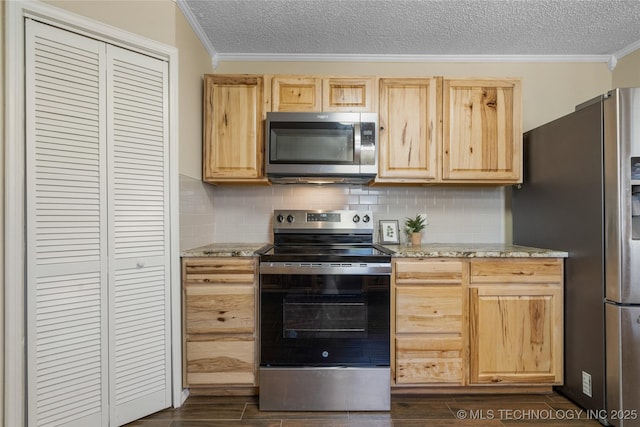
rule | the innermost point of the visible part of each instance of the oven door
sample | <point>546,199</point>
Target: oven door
<point>324,314</point>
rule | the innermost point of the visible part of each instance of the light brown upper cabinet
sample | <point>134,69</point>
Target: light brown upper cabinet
<point>316,93</point>
<point>233,129</point>
<point>433,130</point>
<point>482,130</point>
<point>442,130</point>
<point>409,115</point>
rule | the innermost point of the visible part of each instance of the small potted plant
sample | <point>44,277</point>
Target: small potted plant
<point>413,227</point>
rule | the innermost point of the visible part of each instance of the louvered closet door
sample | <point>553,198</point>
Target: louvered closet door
<point>97,231</point>
<point>66,234</point>
<point>138,234</point>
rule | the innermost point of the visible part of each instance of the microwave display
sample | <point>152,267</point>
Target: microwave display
<point>312,142</point>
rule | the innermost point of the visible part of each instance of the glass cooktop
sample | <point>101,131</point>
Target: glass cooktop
<point>326,253</point>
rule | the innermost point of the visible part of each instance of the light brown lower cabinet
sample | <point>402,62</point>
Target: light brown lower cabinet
<point>429,322</point>
<point>516,322</point>
<point>219,322</point>
<point>456,323</point>
<point>477,322</point>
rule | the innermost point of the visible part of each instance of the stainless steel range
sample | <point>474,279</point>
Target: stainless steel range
<point>324,314</point>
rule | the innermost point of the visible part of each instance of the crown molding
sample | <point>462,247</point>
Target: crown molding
<point>627,50</point>
<point>195,25</point>
<point>266,57</point>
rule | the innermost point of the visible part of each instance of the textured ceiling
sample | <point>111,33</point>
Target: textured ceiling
<point>246,29</point>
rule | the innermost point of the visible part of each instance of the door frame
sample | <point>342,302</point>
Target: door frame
<point>14,391</point>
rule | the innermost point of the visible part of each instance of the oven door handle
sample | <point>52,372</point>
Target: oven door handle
<point>325,268</point>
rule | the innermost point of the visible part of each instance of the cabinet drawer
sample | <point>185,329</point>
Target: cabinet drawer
<point>227,361</point>
<point>429,360</point>
<point>408,272</point>
<point>516,271</point>
<point>215,309</point>
<point>429,309</point>
<point>219,270</point>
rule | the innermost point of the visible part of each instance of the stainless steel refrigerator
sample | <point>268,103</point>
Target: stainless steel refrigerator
<point>581,194</point>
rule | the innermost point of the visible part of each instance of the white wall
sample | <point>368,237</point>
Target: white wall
<point>627,72</point>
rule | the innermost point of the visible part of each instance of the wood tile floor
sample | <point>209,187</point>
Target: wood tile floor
<point>549,410</point>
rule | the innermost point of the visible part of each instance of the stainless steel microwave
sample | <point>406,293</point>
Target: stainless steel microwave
<point>321,147</point>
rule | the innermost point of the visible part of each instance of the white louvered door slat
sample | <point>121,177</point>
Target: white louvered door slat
<point>66,236</point>
<point>138,234</point>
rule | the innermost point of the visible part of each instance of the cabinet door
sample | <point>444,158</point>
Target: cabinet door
<point>409,130</point>
<point>482,130</point>
<point>233,129</point>
<point>347,94</point>
<point>290,93</point>
<point>516,334</point>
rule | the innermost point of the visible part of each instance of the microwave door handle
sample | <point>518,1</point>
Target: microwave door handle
<point>357,143</point>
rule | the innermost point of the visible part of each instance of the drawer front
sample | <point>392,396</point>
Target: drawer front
<point>219,309</point>
<point>221,270</point>
<point>429,309</point>
<point>429,360</point>
<point>221,362</point>
<point>516,271</point>
<point>408,271</point>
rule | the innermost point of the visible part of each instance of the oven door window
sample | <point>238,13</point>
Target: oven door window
<point>301,142</point>
<point>316,320</point>
<point>324,316</point>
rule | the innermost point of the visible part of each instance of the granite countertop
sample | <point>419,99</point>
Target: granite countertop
<point>473,250</point>
<point>223,249</point>
<point>430,250</point>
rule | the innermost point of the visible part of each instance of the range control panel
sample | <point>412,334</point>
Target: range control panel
<point>307,220</point>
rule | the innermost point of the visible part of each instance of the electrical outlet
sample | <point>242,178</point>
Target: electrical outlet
<point>586,384</point>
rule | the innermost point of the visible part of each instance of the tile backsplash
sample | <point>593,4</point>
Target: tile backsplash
<point>244,214</point>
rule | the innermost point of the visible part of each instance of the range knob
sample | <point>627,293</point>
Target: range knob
<point>356,218</point>
<point>280,218</point>
<point>366,218</point>
<point>290,218</point>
